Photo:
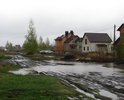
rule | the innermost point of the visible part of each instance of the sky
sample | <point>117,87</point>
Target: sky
<point>53,17</point>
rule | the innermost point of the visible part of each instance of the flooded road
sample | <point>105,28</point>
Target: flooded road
<point>100,81</point>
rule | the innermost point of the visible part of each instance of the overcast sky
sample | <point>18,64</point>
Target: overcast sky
<point>53,17</point>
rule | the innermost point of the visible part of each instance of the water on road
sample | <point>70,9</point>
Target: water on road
<point>101,81</point>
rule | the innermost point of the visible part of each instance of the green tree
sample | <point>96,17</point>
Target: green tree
<point>47,43</point>
<point>30,44</point>
<point>44,45</point>
<point>40,45</point>
<point>9,46</point>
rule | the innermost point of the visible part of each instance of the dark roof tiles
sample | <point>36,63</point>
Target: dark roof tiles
<point>72,37</point>
<point>79,40</point>
<point>98,37</point>
<point>59,38</point>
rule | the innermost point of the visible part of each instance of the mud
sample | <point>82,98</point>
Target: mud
<point>100,81</point>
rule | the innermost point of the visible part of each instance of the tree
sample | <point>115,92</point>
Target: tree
<point>48,46</point>
<point>44,45</point>
<point>40,45</point>
<point>40,40</point>
<point>9,46</point>
<point>47,43</point>
<point>30,44</point>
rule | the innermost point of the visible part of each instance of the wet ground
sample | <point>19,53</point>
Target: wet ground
<point>100,81</point>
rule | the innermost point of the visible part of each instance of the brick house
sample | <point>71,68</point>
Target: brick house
<point>70,44</point>
<point>120,40</point>
<point>60,41</point>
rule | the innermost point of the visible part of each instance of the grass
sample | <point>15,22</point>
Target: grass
<point>31,87</point>
<point>3,57</point>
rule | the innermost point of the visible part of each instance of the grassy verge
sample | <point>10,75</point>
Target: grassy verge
<point>3,57</point>
<point>31,87</point>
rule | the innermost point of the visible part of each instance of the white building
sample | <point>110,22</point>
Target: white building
<point>96,42</point>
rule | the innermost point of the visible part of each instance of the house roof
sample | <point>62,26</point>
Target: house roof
<point>68,39</point>
<point>120,27</point>
<point>71,38</point>
<point>74,39</point>
<point>79,40</point>
<point>59,38</point>
<point>98,37</point>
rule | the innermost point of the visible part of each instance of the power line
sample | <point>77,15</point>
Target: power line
<point>114,32</point>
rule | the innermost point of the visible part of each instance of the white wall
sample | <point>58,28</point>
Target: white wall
<point>109,47</point>
<point>93,46</point>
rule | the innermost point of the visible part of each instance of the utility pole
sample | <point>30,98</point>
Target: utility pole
<point>114,41</point>
<point>114,33</point>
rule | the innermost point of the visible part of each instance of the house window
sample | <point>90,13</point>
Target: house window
<point>85,41</point>
<point>84,48</point>
<point>87,48</point>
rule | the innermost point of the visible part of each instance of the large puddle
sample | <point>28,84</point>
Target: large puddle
<point>107,79</point>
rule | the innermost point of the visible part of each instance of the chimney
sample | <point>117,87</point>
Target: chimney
<point>66,33</point>
<point>71,32</point>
